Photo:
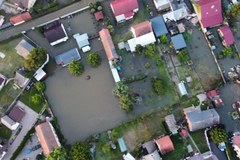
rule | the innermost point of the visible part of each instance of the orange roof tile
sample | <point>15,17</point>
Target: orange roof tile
<point>21,18</point>
<point>165,144</point>
<point>142,28</point>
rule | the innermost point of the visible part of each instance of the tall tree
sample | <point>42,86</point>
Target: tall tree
<point>40,86</point>
<point>80,151</point>
<point>59,153</point>
<point>35,59</point>
<point>76,68</point>
<point>94,59</point>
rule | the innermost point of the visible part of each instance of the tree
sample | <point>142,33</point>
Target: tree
<point>183,56</point>
<point>59,153</point>
<point>76,68</point>
<point>37,99</point>
<point>150,51</point>
<point>218,135</point>
<point>164,39</point>
<point>235,11</point>
<point>94,59</point>
<point>158,85</point>
<point>80,151</point>
<point>111,29</point>
<point>35,59</point>
<point>139,49</point>
<point>227,51</point>
<point>40,86</point>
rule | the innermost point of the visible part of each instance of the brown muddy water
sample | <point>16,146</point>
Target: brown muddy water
<point>84,107</point>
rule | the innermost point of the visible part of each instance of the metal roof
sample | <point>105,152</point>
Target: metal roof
<point>159,26</point>
<point>178,42</point>
<point>66,57</point>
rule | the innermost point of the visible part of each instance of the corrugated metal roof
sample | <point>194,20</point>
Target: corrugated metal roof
<point>159,26</point>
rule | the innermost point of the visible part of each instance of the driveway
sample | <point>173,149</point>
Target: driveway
<point>27,123</point>
<point>33,141</point>
<point>220,155</point>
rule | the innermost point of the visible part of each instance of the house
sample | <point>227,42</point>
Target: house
<point>23,4</point>
<point>152,156</point>
<point>236,144</point>
<point>124,9</point>
<point>20,18</point>
<point>98,15</point>
<point>164,144</point>
<point>1,20</point>
<point>226,35</point>
<point>142,35</point>
<point>171,123</point>
<point>178,42</point>
<point>9,123</point>
<point>108,45</point>
<point>128,156</point>
<point>16,113</point>
<point>149,146</point>
<point>82,41</point>
<point>24,48</point>
<point>20,80</point>
<point>162,5</point>
<point>40,74</point>
<point>3,80</point>
<point>122,145</point>
<point>202,119</point>
<point>159,26</point>
<point>47,137</point>
<point>65,58</point>
<point>176,15</point>
<point>209,12</point>
<point>214,97</point>
<point>56,34</point>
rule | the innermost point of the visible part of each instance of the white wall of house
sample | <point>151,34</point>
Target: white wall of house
<point>237,150</point>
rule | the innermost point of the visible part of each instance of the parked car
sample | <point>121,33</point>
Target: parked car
<point>36,147</point>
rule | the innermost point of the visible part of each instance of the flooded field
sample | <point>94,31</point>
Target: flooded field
<point>84,107</point>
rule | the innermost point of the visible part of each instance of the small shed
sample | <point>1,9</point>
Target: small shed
<point>98,15</point>
<point>165,144</point>
<point>82,40</point>
<point>178,42</point>
<point>149,146</point>
<point>65,58</point>
<point>24,48</point>
<point>40,74</point>
<point>20,80</point>
<point>122,144</point>
<point>128,156</point>
<point>171,123</point>
<point>182,89</point>
<point>159,26</point>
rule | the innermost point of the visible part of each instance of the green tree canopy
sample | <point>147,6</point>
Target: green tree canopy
<point>37,99</point>
<point>139,49</point>
<point>80,151</point>
<point>227,51</point>
<point>235,11</point>
<point>35,59</point>
<point>59,153</point>
<point>164,39</point>
<point>218,135</point>
<point>40,86</point>
<point>158,85</point>
<point>150,51</point>
<point>94,59</point>
<point>76,68</point>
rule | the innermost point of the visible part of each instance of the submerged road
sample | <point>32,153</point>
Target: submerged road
<point>12,31</point>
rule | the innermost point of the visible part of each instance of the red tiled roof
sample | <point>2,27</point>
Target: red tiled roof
<point>46,137</point>
<point>142,28</point>
<point>16,114</point>
<point>98,15</point>
<point>211,12</point>
<point>108,44</point>
<point>21,18</point>
<point>227,34</point>
<point>128,14</point>
<point>213,93</point>
<point>123,6</point>
<point>165,144</point>
<point>236,140</point>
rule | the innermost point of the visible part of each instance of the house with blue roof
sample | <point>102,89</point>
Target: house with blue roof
<point>159,26</point>
<point>178,42</point>
<point>65,58</point>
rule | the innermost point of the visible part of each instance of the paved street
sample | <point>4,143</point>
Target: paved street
<point>29,25</point>
<point>27,122</point>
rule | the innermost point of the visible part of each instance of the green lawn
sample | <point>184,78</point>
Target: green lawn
<point>26,98</point>
<point>5,132</point>
<point>12,60</point>
<point>199,138</point>
<point>7,95</point>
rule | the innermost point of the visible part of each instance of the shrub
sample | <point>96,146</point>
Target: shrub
<point>150,51</point>
<point>134,78</point>
<point>158,86</point>
<point>76,68</point>
<point>147,65</point>
<point>164,39</point>
<point>139,49</point>
<point>183,56</point>
<point>37,99</point>
<point>40,86</point>
<point>94,59</point>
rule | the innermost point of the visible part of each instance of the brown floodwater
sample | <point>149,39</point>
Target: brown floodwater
<point>84,107</point>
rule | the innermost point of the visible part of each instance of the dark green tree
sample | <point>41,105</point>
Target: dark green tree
<point>40,86</point>
<point>59,153</point>
<point>35,59</point>
<point>139,49</point>
<point>158,85</point>
<point>227,51</point>
<point>235,11</point>
<point>94,59</point>
<point>164,39</point>
<point>218,135</point>
<point>150,51</point>
<point>76,68</point>
<point>80,151</point>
